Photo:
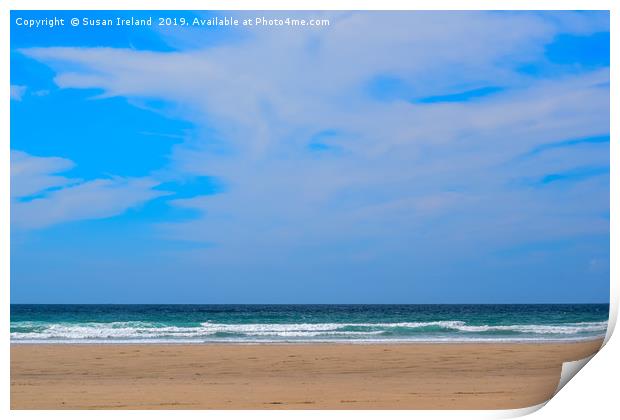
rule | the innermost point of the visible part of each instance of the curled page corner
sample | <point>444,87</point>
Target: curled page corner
<point>520,412</point>
<point>570,369</point>
<point>611,323</point>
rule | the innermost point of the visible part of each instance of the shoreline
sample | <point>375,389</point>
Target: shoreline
<point>289,376</point>
<point>312,342</point>
<point>307,343</point>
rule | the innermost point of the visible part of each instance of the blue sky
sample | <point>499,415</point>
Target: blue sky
<point>422,157</point>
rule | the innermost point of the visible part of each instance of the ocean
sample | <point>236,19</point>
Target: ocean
<point>305,323</point>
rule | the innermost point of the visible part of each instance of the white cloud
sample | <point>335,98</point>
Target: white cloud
<point>399,164</point>
<point>39,198</point>
<point>32,174</point>
<point>42,92</point>
<point>17,92</point>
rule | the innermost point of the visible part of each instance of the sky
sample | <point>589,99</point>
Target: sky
<point>390,157</point>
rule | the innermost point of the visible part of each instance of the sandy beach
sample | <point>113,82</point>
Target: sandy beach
<point>313,376</point>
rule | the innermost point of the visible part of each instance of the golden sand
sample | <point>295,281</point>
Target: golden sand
<point>313,376</point>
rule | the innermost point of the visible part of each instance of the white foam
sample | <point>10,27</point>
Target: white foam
<point>251,328</point>
<point>574,328</point>
<point>208,331</point>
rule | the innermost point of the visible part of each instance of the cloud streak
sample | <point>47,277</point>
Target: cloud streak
<point>17,92</point>
<point>40,198</point>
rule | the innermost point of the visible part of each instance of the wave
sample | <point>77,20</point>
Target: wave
<point>574,328</point>
<point>209,331</point>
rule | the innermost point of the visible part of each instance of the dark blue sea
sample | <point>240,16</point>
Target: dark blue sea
<point>305,323</point>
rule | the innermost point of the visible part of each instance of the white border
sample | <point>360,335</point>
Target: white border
<point>595,386</point>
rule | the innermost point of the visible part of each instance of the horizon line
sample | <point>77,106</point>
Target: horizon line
<point>315,304</point>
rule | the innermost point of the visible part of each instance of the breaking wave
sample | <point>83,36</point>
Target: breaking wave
<point>452,330</point>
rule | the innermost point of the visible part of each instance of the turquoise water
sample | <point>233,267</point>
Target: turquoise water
<point>304,323</point>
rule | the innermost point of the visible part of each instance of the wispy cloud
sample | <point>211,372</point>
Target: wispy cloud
<point>400,162</point>
<point>17,92</point>
<point>31,175</point>
<point>41,198</point>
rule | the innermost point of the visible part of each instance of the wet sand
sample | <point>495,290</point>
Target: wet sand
<point>312,376</point>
